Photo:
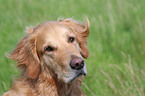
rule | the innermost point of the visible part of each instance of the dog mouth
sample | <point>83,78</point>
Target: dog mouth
<point>71,76</point>
<point>79,73</point>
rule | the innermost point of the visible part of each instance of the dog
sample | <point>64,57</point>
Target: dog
<point>50,57</point>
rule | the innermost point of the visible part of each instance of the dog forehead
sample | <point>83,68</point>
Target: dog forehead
<point>53,32</point>
<point>54,29</point>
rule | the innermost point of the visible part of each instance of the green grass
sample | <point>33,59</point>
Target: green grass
<point>116,41</point>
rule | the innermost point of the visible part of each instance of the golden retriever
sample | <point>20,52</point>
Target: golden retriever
<point>51,59</point>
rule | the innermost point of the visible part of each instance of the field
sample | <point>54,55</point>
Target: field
<point>116,42</point>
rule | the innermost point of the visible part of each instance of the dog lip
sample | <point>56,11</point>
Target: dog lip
<point>79,73</point>
<point>83,73</point>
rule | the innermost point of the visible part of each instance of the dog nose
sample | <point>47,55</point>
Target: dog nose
<point>77,63</point>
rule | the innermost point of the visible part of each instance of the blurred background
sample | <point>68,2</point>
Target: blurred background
<point>116,65</point>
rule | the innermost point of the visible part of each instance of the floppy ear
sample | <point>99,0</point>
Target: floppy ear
<point>82,32</point>
<point>26,56</point>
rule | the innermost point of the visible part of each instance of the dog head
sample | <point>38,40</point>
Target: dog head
<point>58,46</point>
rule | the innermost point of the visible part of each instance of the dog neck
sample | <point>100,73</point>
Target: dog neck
<point>49,84</point>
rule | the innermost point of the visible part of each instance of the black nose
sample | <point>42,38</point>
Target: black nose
<point>77,63</point>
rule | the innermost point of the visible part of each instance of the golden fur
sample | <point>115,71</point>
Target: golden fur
<point>47,72</point>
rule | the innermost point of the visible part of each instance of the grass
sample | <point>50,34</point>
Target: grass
<point>116,42</point>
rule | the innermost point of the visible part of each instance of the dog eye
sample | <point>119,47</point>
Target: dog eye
<point>71,39</point>
<point>49,49</point>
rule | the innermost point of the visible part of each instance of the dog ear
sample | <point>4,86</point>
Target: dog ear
<point>26,56</point>
<point>82,32</point>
